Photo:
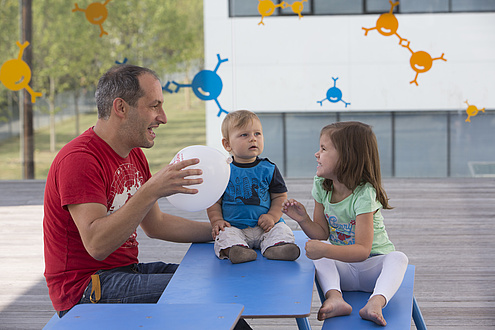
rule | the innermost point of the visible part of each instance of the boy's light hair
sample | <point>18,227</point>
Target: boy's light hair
<point>237,119</point>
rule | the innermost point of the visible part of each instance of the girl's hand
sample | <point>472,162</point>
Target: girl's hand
<point>316,249</point>
<point>295,210</point>
<point>217,226</point>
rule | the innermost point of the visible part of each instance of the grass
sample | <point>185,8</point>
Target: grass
<point>184,128</point>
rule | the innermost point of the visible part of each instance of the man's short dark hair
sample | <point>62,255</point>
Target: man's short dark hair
<point>119,82</point>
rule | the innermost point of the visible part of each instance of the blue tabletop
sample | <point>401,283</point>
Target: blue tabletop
<point>149,316</point>
<point>266,288</point>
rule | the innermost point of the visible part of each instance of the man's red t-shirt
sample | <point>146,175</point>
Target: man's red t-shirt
<point>86,170</point>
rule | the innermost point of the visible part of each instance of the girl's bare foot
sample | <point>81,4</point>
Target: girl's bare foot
<point>373,310</point>
<point>334,305</point>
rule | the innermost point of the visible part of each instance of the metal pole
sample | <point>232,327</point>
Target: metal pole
<point>27,35</point>
<point>21,103</point>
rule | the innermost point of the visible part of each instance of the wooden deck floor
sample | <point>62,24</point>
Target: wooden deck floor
<point>445,226</point>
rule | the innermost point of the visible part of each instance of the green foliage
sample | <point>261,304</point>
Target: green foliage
<point>69,55</point>
<point>9,34</point>
<point>184,128</point>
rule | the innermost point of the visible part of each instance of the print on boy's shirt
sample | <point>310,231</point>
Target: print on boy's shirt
<point>248,192</point>
<point>341,232</point>
<point>126,181</point>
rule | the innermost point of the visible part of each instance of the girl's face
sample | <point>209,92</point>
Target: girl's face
<point>327,158</point>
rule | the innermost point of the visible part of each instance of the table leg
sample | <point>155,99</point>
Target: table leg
<point>303,323</point>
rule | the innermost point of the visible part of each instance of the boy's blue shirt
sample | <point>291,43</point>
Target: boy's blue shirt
<point>247,195</point>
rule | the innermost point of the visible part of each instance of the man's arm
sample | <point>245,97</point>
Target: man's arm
<point>102,234</point>
<point>173,228</point>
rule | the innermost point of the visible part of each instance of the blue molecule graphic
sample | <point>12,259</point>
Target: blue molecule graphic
<point>206,85</point>
<point>334,94</point>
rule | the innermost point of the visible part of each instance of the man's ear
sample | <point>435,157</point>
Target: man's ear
<point>226,144</point>
<point>120,107</point>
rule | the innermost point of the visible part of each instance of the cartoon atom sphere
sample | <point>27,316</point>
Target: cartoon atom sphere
<point>206,85</point>
<point>96,14</point>
<point>334,94</point>
<point>472,111</point>
<point>15,74</point>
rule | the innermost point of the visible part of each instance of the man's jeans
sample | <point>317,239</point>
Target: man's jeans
<point>138,283</point>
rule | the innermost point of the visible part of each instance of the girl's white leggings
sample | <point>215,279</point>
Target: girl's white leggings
<point>381,274</point>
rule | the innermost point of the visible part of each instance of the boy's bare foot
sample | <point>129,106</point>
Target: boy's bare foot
<point>333,306</point>
<point>373,310</point>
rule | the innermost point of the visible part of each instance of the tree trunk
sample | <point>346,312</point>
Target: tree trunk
<point>51,104</point>
<point>76,110</point>
<point>28,131</point>
<point>187,91</point>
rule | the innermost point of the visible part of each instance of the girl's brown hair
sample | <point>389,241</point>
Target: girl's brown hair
<point>359,161</point>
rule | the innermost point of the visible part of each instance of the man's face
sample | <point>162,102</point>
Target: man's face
<point>147,115</point>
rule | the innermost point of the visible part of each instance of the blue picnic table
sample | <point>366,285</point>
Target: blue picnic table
<point>267,288</point>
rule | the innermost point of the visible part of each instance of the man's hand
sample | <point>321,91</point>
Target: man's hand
<point>173,179</point>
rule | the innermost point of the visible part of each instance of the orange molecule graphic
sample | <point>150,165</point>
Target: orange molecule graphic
<point>297,7</point>
<point>421,62</point>
<point>96,14</point>
<point>472,111</point>
<point>15,74</point>
<point>387,24</point>
<point>267,7</point>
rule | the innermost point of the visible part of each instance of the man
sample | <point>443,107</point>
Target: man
<point>99,190</point>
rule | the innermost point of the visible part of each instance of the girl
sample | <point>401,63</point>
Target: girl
<point>348,201</point>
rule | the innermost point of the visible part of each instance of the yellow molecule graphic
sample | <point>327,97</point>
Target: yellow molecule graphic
<point>297,7</point>
<point>15,74</point>
<point>387,24</point>
<point>267,7</point>
<point>421,62</point>
<point>472,111</point>
<point>96,14</point>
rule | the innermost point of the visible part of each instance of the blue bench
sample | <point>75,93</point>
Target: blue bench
<point>148,316</point>
<point>397,313</point>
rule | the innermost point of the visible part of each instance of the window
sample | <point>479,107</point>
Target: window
<point>336,7</point>
<point>240,8</point>
<point>424,6</point>
<point>411,144</point>
<point>472,5</point>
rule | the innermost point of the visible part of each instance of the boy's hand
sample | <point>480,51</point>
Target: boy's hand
<point>217,226</point>
<point>266,222</point>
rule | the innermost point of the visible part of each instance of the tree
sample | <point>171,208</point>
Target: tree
<point>66,48</point>
<point>70,55</point>
<point>9,27</point>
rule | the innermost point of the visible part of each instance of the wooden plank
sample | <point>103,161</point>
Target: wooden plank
<point>445,226</point>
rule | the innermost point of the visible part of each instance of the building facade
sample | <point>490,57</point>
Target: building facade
<point>421,72</point>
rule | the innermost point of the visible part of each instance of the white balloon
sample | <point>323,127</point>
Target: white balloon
<point>216,173</point>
